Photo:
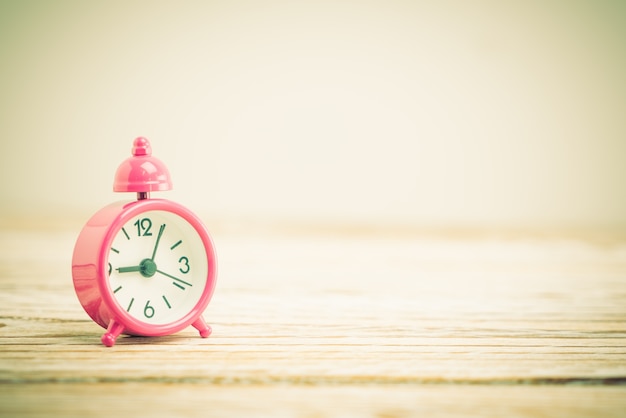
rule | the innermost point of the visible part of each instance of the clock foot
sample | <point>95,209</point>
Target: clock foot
<point>201,325</point>
<point>113,331</point>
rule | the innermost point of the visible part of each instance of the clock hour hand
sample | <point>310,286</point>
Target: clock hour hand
<point>128,269</point>
<point>147,268</point>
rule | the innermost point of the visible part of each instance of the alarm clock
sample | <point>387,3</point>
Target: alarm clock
<point>146,267</point>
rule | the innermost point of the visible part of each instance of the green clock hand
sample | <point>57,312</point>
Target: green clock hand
<point>174,278</point>
<point>156,245</point>
<point>128,269</point>
<point>147,268</point>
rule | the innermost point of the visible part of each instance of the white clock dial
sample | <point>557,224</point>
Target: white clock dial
<point>157,267</point>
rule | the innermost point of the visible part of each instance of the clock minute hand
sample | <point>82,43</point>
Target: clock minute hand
<point>156,244</point>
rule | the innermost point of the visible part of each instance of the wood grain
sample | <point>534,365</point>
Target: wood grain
<point>326,325</point>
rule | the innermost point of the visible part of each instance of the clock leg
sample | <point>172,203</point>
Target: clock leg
<point>113,331</point>
<point>201,325</point>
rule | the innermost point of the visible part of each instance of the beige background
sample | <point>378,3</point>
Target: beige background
<point>436,114</point>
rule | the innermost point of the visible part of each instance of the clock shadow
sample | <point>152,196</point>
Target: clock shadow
<point>174,339</point>
<point>83,334</point>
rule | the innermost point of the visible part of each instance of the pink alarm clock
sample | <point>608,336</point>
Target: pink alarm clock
<point>146,267</point>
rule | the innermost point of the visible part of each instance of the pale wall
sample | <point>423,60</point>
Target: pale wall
<point>424,113</point>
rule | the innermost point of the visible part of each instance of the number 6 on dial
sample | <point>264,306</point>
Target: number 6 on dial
<point>146,267</point>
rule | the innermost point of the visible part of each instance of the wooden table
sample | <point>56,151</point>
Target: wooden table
<point>329,324</point>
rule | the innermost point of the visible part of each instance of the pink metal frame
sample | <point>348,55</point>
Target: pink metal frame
<point>89,271</point>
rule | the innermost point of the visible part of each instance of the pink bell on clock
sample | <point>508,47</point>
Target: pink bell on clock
<point>142,173</point>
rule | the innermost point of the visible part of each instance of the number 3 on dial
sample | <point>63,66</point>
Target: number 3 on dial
<point>185,268</point>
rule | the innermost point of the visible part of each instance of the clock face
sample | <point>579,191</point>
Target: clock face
<point>157,267</point>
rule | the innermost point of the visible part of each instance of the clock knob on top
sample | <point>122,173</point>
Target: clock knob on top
<point>142,173</point>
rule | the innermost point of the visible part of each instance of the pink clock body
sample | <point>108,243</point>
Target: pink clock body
<point>132,279</point>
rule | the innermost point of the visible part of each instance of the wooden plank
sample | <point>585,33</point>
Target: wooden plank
<point>197,400</point>
<point>383,325</point>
